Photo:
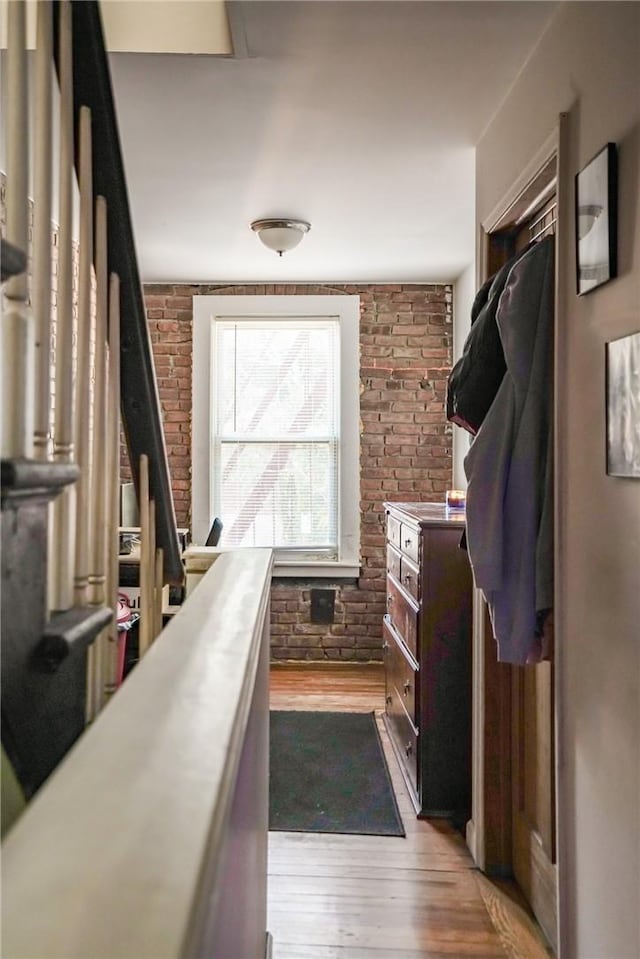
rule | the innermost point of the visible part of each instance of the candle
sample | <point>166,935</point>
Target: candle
<point>456,499</point>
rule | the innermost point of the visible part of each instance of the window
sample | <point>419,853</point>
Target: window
<point>275,427</point>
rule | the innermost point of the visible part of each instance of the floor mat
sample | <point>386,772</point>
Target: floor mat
<point>328,773</point>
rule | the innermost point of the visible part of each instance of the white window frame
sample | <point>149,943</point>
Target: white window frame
<point>206,309</point>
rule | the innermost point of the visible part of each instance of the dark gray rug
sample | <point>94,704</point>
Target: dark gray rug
<point>328,774</point>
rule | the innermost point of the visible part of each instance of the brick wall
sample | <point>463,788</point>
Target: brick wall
<point>405,442</point>
<point>170,329</point>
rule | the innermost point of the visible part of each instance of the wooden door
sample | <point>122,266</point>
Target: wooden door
<point>532,743</point>
<point>533,791</point>
<point>524,836</point>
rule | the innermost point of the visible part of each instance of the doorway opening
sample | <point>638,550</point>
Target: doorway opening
<point>513,826</point>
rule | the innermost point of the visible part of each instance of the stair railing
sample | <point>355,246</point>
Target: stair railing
<point>63,385</point>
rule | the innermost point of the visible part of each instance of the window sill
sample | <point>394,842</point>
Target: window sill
<point>281,568</point>
<point>317,570</point>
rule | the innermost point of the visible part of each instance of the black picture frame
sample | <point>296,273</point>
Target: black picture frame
<point>623,406</point>
<point>596,220</point>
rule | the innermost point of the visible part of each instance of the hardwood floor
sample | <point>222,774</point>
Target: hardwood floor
<point>339,687</point>
<point>369,897</point>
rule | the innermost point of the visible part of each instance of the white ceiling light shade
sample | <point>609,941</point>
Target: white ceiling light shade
<point>280,234</point>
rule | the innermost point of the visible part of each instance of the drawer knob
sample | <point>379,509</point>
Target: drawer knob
<point>407,578</point>
<point>388,700</point>
<point>408,750</point>
<point>407,542</point>
<point>389,600</point>
<point>406,687</point>
<point>385,646</point>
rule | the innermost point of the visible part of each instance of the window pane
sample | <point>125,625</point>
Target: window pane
<point>279,494</point>
<point>277,380</point>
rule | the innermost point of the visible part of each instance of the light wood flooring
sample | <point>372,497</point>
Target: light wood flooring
<point>370,897</point>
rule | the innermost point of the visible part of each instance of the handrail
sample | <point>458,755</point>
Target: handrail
<point>139,393</point>
<point>119,854</point>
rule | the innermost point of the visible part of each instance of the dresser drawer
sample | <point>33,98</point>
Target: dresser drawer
<point>393,530</point>
<point>410,577</point>
<point>403,616</point>
<point>403,735</point>
<point>400,673</point>
<point>410,542</point>
<point>393,562</point>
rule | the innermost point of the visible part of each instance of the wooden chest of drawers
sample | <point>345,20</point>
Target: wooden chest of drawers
<point>427,646</point>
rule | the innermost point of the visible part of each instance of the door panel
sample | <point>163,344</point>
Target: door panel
<point>533,814</point>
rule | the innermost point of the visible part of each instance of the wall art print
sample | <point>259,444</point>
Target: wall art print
<point>623,406</point>
<point>596,220</point>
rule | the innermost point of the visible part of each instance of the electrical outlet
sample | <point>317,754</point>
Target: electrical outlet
<point>323,605</point>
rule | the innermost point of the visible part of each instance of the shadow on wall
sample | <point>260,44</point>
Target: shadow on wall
<point>628,166</point>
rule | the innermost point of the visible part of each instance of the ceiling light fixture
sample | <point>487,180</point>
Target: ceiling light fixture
<point>280,234</point>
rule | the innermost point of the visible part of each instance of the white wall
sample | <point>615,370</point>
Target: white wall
<point>464,290</point>
<point>588,64</point>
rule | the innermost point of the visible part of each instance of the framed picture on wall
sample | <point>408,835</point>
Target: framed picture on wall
<point>596,220</point>
<point>623,406</point>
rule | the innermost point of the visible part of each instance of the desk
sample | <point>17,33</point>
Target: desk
<point>129,573</point>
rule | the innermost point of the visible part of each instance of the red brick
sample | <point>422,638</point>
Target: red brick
<point>154,301</point>
<point>179,302</point>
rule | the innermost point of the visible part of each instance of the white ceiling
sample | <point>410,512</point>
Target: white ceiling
<point>360,117</point>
